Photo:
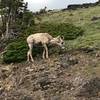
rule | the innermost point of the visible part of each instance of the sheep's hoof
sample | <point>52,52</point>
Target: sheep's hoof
<point>28,62</point>
<point>32,60</point>
<point>43,58</point>
<point>47,59</point>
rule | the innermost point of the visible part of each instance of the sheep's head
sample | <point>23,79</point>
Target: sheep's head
<point>58,41</point>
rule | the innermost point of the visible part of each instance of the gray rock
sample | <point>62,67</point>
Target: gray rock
<point>91,88</point>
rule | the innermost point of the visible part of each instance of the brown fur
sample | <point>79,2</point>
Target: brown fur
<point>44,39</point>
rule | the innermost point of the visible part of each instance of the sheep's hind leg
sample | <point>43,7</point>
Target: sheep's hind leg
<point>46,49</point>
<point>43,55</point>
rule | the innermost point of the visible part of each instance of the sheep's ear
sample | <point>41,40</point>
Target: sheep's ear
<point>58,36</point>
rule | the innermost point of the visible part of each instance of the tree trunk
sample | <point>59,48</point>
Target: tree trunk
<point>8,21</point>
<point>3,23</point>
<point>7,30</point>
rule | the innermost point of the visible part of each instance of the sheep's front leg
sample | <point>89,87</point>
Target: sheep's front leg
<point>46,49</point>
<point>31,57</point>
<point>29,54</point>
<point>28,58</point>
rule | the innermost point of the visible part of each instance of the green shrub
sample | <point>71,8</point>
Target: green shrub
<point>69,31</point>
<point>16,50</point>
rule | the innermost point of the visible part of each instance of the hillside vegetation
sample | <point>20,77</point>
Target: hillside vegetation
<point>70,23</point>
<point>16,50</point>
<point>83,18</point>
<point>70,74</point>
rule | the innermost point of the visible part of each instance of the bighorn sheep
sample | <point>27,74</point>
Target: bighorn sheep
<point>44,39</point>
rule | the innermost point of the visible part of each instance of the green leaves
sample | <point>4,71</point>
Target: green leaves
<point>69,31</point>
<point>17,50</point>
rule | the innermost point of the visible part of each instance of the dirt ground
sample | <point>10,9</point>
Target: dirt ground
<point>73,75</point>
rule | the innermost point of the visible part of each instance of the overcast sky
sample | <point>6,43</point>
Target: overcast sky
<point>35,5</point>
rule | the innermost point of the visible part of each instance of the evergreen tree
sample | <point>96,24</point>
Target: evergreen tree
<point>11,11</point>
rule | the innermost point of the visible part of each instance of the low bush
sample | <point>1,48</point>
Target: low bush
<point>16,51</point>
<point>69,31</point>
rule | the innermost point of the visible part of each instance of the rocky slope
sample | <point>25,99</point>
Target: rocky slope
<point>73,75</point>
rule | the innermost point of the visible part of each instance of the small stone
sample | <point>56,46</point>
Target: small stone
<point>99,93</point>
<point>1,90</point>
<point>29,69</point>
<point>6,68</point>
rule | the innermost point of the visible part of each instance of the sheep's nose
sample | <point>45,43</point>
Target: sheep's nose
<point>62,43</point>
